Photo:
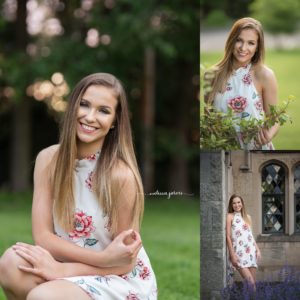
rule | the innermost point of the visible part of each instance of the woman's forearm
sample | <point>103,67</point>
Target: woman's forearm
<point>70,269</point>
<point>65,251</point>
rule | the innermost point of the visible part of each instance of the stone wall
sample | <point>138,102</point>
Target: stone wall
<point>213,190</point>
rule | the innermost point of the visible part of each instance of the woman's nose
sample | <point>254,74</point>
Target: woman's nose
<point>90,116</point>
<point>243,46</point>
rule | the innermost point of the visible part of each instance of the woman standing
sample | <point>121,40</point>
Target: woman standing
<point>243,250</point>
<point>242,82</point>
<point>87,208</point>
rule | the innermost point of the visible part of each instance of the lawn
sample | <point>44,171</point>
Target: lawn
<point>285,66</point>
<point>170,235</point>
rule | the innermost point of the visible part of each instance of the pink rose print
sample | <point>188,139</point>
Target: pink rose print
<point>145,273</point>
<point>241,243</point>
<point>132,296</point>
<point>247,79</point>
<point>249,238</point>
<point>238,233</point>
<point>247,249</point>
<point>83,226</point>
<point>245,226</point>
<point>140,262</point>
<point>259,105</point>
<point>240,253</point>
<point>89,181</point>
<point>238,104</point>
<point>238,220</point>
<point>125,277</point>
<point>92,157</point>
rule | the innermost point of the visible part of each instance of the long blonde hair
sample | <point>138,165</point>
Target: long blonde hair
<point>117,146</point>
<point>243,210</point>
<point>219,73</point>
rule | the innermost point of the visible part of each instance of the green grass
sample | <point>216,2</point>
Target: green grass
<point>170,235</point>
<point>285,66</point>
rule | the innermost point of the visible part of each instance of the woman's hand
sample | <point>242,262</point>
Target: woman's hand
<point>123,249</point>
<point>235,261</point>
<point>263,137</point>
<point>258,255</point>
<point>43,264</point>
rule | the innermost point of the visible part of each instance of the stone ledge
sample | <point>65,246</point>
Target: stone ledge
<point>269,238</point>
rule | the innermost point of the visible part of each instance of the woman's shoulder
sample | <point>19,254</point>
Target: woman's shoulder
<point>46,155</point>
<point>263,73</point>
<point>230,216</point>
<point>121,171</point>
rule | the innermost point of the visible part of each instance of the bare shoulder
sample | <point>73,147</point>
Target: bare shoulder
<point>122,172</point>
<point>46,155</point>
<point>264,74</point>
<point>229,216</point>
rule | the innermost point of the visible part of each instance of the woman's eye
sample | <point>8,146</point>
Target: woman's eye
<point>103,110</point>
<point>83,103</point>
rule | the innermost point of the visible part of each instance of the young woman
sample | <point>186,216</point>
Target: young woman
<point>87,207</point>
<point>241,82</point>
<point>243,250</point>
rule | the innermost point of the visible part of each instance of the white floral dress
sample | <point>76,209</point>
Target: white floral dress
<point>242,97</point>
<point>92,230</point>
<point>243,242</point>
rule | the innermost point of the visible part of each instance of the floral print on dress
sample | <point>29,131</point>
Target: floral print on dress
<point>247,79</point>
<point>228,87</point>
<point>89,181</point>
<point>91,230</point>
<point>238,104</point>
<point>83,227</point>
<point>259,106</point>
<point>132,296</point>
<point>242,97</point>
<point>243,242</point>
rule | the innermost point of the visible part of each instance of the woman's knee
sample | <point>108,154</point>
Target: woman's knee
<point>7,263</point>
<point>11,277</point>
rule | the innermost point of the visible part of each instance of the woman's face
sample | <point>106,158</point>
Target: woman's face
<point>245,47</point>
<point>237,204</point>
<point>95,117</point>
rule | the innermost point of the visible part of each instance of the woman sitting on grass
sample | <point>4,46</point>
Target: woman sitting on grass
<point>87,207</point>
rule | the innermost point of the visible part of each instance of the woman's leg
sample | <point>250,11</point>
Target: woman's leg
<point>58,290</point>
<point>16,283</point>
<point>253,273</point>
<point>247,275</point>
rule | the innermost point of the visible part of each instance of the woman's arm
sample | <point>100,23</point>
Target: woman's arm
<point>45,266</point>
<point>116,254</point>
<point>232,255</point>
<point>269,96</point>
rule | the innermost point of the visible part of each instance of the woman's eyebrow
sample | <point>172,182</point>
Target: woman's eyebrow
<point>102,106</point>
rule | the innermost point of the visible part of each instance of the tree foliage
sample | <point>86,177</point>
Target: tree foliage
<point>277,16</point>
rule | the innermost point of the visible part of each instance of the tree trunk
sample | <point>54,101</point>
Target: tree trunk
<point>148,116</point>
<point>21,141</point>
<point>178,169</point>
<point>21,137</point>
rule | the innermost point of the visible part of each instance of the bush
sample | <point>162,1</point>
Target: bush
<point>288,288</point>
<point>217,18</point>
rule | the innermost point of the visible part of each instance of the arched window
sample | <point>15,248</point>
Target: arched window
<point>273,197</point>
<point>297,198</point>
